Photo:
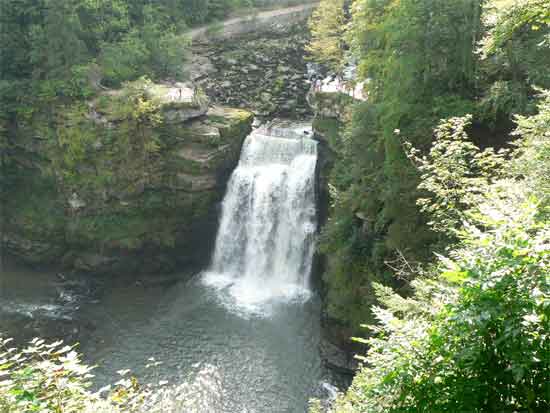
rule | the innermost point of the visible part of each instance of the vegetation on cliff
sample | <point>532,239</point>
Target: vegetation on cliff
<point>474,335</point>
<point>415,78</point>
<point>438,235</point>
<point>437,240</point>
<point>98,161</point>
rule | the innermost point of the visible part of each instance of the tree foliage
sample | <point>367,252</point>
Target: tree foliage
<point>51,378</point>
<point>423,61</point>
<point>57,54</point>
<point>327,26</point>
<point>474,336</point>
<point>419,60</point>
<point>48,40</point>
<point>455,175</point>
<point>514,52</point>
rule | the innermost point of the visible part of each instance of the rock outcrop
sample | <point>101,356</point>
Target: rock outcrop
<point>128,183</point>
<point>332,111</point>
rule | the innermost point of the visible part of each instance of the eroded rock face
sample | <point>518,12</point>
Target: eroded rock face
<point>332,111</point>
<point>262,72</point>
<point>119,189</point>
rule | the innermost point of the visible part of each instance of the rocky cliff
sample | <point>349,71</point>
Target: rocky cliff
<point>262,70</point>
<point>129,182</point>
<point>332,111</point>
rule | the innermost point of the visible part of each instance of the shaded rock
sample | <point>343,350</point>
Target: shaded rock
<point>92,262</point>
<point>337,359</point>
<point>200,67</point>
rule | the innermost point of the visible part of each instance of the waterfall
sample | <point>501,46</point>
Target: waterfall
<point>265,243</point>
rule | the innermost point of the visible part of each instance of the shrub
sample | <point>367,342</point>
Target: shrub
<point>51,378</point>
<point>474,337</point>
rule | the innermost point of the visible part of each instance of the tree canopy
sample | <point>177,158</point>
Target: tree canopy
<point>438,235</point>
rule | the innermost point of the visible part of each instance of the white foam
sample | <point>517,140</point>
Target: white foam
<point>265,242</point>
<point>249,297</point>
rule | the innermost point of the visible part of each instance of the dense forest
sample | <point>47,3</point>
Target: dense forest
<point>438,235</point>
<point>55,53</point>
<point>437,241</point>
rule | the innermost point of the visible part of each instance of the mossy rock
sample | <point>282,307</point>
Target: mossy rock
<point>34,220</point>
<point>331,104</point>
<point>106,206</point>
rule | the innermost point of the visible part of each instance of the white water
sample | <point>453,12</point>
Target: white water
<point>265,243</point>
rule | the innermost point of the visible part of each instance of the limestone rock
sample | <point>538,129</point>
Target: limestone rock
<point>179,101</point>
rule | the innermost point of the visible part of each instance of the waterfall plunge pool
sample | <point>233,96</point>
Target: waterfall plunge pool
<point>245,334</point>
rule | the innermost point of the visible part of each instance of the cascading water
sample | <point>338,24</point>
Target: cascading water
<point>265,242</point>
<point>242,338</point>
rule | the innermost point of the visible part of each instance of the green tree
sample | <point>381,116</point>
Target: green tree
<point>327,26</point>
<point>56,44</point>
<point>419,62</point>
<point>515,57</point>
<point>474,336</point>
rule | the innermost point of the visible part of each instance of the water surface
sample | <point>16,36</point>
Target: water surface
<point>249,363</point>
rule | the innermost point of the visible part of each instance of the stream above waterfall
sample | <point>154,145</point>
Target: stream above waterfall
<point>245,333</point>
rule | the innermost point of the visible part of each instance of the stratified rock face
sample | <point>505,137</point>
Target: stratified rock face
<point>128,183</point>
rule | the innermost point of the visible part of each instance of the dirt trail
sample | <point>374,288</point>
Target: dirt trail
<point>262,15</point>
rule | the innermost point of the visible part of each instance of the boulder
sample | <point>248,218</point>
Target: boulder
<point>179,101</point>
